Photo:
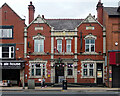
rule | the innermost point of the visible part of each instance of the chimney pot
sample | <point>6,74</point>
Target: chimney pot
<point>30,2</point>
<point>43,16</point>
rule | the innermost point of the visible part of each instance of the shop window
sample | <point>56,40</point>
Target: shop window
<point>70,69</point>
<point>88,70</point>
<point>38,69</point>
<point>90,45</point>
<point>59,45</point>
<point>6,32</point>
<point>68,46</point>
<point>7,52</point>
<point>39,45</point>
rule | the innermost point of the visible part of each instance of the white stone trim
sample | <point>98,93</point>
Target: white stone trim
<point>90,36</point>
<point>90,53</point>
<point>75,44</point>
<point>38,37</point>
<point>69,38</point>
<point>38,61</point>
<point>25,42</point>
<point>59,38</point>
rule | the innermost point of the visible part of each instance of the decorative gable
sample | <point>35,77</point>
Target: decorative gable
<point>90,19</point>
<point>39,20</point>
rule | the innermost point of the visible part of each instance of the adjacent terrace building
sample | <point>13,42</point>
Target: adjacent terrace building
<point>11,45</point>
<point>110,18</point>
<point>57,49</point>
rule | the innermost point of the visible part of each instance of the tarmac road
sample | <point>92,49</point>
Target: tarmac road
<point>60,93</point>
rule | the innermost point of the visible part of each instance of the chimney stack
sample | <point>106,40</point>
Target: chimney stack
<point>100,12</point>
<point>31,9</point>
<point>118,10</point>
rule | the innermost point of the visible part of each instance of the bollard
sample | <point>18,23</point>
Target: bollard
<point>64,85</point>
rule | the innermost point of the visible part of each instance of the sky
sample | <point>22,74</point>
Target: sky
<point>55,9</point>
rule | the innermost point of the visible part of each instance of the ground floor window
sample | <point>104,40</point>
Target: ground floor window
<point>70,69</point>
<point>38,69</point>
<point>88,69</point>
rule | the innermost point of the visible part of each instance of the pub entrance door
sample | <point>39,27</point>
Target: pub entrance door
<point>59,72</point>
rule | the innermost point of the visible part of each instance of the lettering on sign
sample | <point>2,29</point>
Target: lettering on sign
<point>10,64</point>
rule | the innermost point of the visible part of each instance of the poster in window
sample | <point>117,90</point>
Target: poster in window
<point>99,74</point>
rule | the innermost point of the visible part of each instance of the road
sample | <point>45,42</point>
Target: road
<point>32,93</point>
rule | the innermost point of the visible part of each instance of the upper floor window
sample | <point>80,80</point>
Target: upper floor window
<point>90,45</point>
<point>7,52</point>
<point>39,45</point>
<point>6,32</point>
<point>59,45</point>
<point>68,46</point>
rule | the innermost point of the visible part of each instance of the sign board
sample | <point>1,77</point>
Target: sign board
<point>99,74</point>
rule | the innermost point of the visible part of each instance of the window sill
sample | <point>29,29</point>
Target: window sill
<point>38,53</point>
<point>36,77</point>
<point>88,77</point>
<point>66,53</point>
<point>70,77</point>
<point>90,53</point>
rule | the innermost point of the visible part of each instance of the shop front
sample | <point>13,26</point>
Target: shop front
<point>114,69</point>
<point>12,72</point>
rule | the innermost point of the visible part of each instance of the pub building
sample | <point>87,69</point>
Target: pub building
<point>11,46</point>
<point>57,49</point>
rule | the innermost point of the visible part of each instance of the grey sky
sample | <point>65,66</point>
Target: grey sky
<point>58,8</point>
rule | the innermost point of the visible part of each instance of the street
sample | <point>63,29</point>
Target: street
<point>64,93</point>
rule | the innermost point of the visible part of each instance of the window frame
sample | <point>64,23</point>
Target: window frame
<point>72,68</point>
<point>89,44</point>
<point>67,44</point>
<point>58,44</point>
<point>88,70</point>
<point>35,68</point>
<point>5,29</point>
<point>10,52</point>
<point>41,43</point>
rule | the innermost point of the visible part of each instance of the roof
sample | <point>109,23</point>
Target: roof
<point>60,24</point>
<point>112,11</point>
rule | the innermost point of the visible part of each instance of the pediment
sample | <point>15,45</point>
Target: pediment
<point>39,36</point>
<point>39,20</point>
<point>90,19</point>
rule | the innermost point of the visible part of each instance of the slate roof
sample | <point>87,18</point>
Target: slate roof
<point>60,24</point>
<point>112,11</point>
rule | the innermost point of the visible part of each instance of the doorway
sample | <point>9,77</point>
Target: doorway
<point>59,72</point>
<point>116,76</point>
<point>99,73</point>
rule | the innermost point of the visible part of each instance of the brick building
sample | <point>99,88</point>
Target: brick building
<point>110,18</point>
<point>58,49</point>
<point>11,45</point>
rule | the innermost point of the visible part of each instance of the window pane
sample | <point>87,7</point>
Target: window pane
<point>37,65</point>
<point>92,48</point>
<point>84,72</point>
<point>32,73</point>
<point>91,72</point>
<point>85,65</point>
<point>59,45</point>
<point>35,45</point>
<point>68,45</point>
<point>87,41</point>
<point>5,49</point>
<point>38,71</point>
<point>87,48</point>
<point>91,65</point>
<point>70,72</point>
<point>92,41</point>
<point>5,55</point>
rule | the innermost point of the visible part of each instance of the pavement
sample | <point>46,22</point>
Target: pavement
<point>58,89</point>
